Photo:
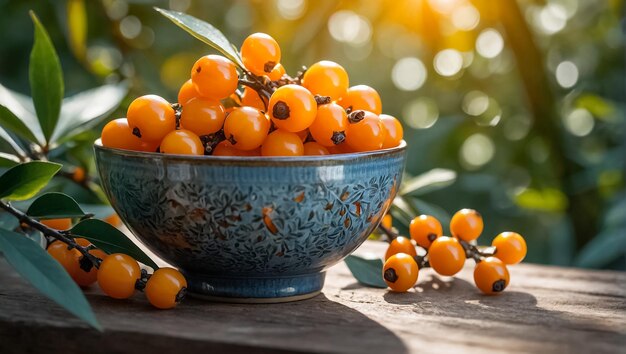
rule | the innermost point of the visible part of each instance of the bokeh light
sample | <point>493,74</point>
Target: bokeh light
<point>130,27</point>
<point>465,18</point>
<point>448,62</point>
<point>409,74</point>
<point>489,43</point>
<point>421,113</point>
<point>579,122</point>
<point>348,27</point>
<point>291,9</point>
<point>477,150</point>
<point>567,74</point>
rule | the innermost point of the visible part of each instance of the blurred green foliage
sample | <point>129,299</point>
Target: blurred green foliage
<point>524,99</point>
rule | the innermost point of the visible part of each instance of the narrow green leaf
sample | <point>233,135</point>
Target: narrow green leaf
<point>204,32</point>
<point>54,206</point>
<point>366,271</point>
<point>46,79</point>
<point>99,211</point>
<point>46,274</point>
<point>86,109</point>
<point>22,106</point>
<point>603,249</point>
<point>430,209</point>
<point>14,124</point>
<point>110,239</point>
<point>12,143</point>
<point>8,160</point>
<point>25,180</point>
<point>427,182</point>
<point>8,221</point>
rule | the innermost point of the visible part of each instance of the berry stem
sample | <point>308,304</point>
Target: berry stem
<point>388,232</point>
<point>65,236</point>
<point>475,253</point>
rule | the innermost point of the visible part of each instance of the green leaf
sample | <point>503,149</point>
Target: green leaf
<point>547,199</point>
<point>430,209</point>
<point>46,274</point>
<point>204,32</point>
<point>86,109</point>
<point>46,79</point>
<point>603,249</point>
<point>14,124</point>
<point>12,143</point>
<point>110,239</point>
<point>8,221</point>
<point>22,106</point>
<point>25,180</point>
<point>8,160</point>
<point>427,182</point>
<point>55,206</point>
<point>99,211</point>
<point>367,271</point>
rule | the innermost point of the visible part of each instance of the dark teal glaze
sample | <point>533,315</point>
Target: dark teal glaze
<point>251,227</point>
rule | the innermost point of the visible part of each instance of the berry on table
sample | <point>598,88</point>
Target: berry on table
<point>151,118</point>
<point>510,247</point>
<point>326,78</point>
<point>68,258</point>
<point>365,131</point>
<point>400,244</point>
<point>330,124</point>
<point>292,108</point>
<point>424,229</point>
<point>246,128</point>
<point>117,134</point>
<point>260,53</point>
<point>361,97</point>
<point>214,77</point>
<point>400,272</point>
<point>446,255</point>
<point>202,116</point>
<point>117,275</point>
<point>282,143</point>
<point>491,275</point>
<point>313,148</point>
<point>183,142</point>
<point>165,288</point>
<point>393,131</point>
<point>466,224</point>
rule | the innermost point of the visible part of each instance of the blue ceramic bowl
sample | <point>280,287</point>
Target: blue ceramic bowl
<point>251,228</point>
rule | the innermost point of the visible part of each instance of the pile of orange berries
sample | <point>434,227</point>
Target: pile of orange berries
<point>118,275</point>
<point>261,111</point>
<point>446,255</point>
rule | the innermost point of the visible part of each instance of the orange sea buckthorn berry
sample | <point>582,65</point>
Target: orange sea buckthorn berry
<point>446,255</point>
<point>66,257</point>
<point>117,134</point>
<point>466,224</point>
<point>400,244</point>
<point>292,108</point>
<point>326,78</point>
<point>277,73</point>
<point>246,128</point>
<point>118,274</point>
<point>214,77</point>
<point>165,288</point>
<point>202,116</point>
<point>151,117</point>
<point>113,220</point>
<point>365,131</point>
<point>282,143</point>
<point>260,53</point>
<point>303,134</point>
<point>183,142</point>
<point>187,92</point>
<point>393,131</point>
<point>330,125</point>
<point>58,224</point>
<point>387,221</point>
<point>78,175</point>
<point>82,277</point>
<point>400,272</point>
<point>425,229</point>
<point>491,276</point>
<point>225,148</point>
<point>342,148</point>
<point>312,149</point>
<point>510,247</point>
<point>361,97</point>
<point>251,98</point>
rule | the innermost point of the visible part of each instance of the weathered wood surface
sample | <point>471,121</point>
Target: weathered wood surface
<point>545,309</point>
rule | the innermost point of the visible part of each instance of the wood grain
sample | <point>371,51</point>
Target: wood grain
<point>545,309</point>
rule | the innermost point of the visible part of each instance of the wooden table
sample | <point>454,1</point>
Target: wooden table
<point>545,309</point>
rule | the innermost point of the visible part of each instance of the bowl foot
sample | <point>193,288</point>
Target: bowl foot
<point>255,289</point>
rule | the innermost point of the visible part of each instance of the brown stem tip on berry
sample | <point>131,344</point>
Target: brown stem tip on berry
<point>498,285</point>
<point>338,137</point>
<point>320,100</point>
<point>390,275</point>
<point>269,66</point>
<point>137,132</point>
<point>356,116</point>
<point>280,110</point>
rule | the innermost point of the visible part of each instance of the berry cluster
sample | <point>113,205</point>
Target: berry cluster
<point>447,255</point>
<point>117,274</point>
<point>261,111</point>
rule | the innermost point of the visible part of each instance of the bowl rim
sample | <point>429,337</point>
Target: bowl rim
<point>255,159</point>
